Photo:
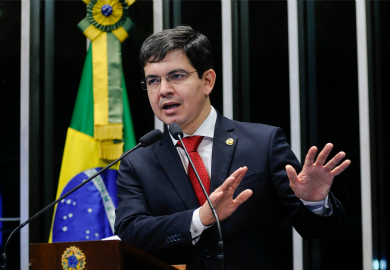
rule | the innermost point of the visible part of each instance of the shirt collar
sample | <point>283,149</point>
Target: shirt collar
<point>206,129</point>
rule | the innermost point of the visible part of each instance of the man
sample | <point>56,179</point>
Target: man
<point>160,208</point>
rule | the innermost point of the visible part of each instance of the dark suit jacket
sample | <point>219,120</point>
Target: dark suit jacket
<point>156,200</point>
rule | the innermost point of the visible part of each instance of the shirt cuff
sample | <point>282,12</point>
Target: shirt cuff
<point>321,208</point>
<point>197,227</point>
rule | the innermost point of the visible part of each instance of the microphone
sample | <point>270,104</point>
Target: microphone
<point>150,138</point>
<point>177,133</point>
<point>146,140</point>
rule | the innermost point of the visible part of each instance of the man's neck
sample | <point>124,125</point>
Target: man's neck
<point>206,129</point>
<point>190,129</point>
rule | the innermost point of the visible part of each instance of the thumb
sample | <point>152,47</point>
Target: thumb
<point>292,174</point>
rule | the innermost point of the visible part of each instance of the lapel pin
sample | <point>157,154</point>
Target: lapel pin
<point>229,141</point>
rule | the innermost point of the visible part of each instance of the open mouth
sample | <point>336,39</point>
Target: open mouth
<point>170,106</point>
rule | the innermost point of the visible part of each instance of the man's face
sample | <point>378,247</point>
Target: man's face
<point>186,103</point>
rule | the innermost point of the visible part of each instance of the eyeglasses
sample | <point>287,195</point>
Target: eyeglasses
<point>152,83</point>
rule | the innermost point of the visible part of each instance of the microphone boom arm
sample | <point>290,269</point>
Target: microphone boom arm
<point>221,253</point>
<point>4,256</point>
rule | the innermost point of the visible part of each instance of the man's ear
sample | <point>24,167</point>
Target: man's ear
<point>209,77</point>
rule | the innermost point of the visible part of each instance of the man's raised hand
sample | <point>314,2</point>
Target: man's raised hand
<point>222,198</point>
<point>315,179</point>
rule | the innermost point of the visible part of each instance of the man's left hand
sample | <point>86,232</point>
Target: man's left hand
<point>314,181</point>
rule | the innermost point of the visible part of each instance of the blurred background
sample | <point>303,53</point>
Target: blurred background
<point>330,109</point>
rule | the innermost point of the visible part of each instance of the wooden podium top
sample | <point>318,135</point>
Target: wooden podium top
<point>113,254</point>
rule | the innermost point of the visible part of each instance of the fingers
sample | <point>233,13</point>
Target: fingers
<point>339,169</point>
<point>233,180</point>
<point>215,197</point>
<point>239,172</point>
<point>239,177</point>
<point>222,198</point>
<point>226,185</point>
<point>242,197</point>
<point>323,155</point>
<point>309,160</point>
<point>334,161</point>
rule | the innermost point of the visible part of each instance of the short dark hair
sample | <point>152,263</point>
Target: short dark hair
<point>195,45</point>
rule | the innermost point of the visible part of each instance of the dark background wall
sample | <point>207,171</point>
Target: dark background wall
<point>10,118</point>
<point>329,100</point>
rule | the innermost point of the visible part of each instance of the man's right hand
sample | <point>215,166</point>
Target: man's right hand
<point>222,198</point>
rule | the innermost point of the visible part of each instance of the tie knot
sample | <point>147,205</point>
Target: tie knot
<point>191,143</point>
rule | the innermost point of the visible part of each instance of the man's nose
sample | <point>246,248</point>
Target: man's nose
<point>165,87</point>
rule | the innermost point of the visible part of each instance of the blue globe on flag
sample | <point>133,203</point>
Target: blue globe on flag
<point>88,213</point>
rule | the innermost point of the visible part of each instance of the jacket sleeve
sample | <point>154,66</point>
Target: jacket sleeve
<point>165,236</point>
<point>307,224</point>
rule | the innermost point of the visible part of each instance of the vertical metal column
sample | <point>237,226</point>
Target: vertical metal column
<point>24,131</point>
<point>227,59</point>
<point>375,32</point>
<point>48,171</point>
<point>157,16</point>
<point>295,122</point>
<point>245,61</point>
<point>176,6</point>
<point>166,14</point>
<point>35,95</point>
<point>236,105</point>
<point>312,116</point>
<point>364,130</point>
<point>158,27</point>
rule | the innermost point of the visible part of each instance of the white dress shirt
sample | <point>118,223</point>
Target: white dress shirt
<point>205,150</point>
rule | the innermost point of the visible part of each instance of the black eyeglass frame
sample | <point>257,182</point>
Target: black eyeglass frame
<point>167,77</point>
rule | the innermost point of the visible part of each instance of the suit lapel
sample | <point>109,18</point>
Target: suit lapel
<point>222,151</point>
<point>170,161</point>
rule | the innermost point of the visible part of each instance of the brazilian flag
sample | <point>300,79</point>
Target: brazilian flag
<point>88,213</point>
<point>100,130</point>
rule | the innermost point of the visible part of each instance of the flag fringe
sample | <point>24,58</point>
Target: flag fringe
<point>108,132</point>
<point>110,151</point>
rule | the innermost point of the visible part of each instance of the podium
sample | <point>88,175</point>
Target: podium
<point>93,255</point>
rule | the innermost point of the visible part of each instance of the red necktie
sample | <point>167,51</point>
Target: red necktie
<point>192,144</point>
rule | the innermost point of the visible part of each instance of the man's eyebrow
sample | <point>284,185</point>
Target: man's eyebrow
<point>176,70</point>
<point>169,73</point>
<point>151,76</point>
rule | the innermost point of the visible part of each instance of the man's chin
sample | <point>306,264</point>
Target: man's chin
<point>172,121</point>
<point>169,120</point>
